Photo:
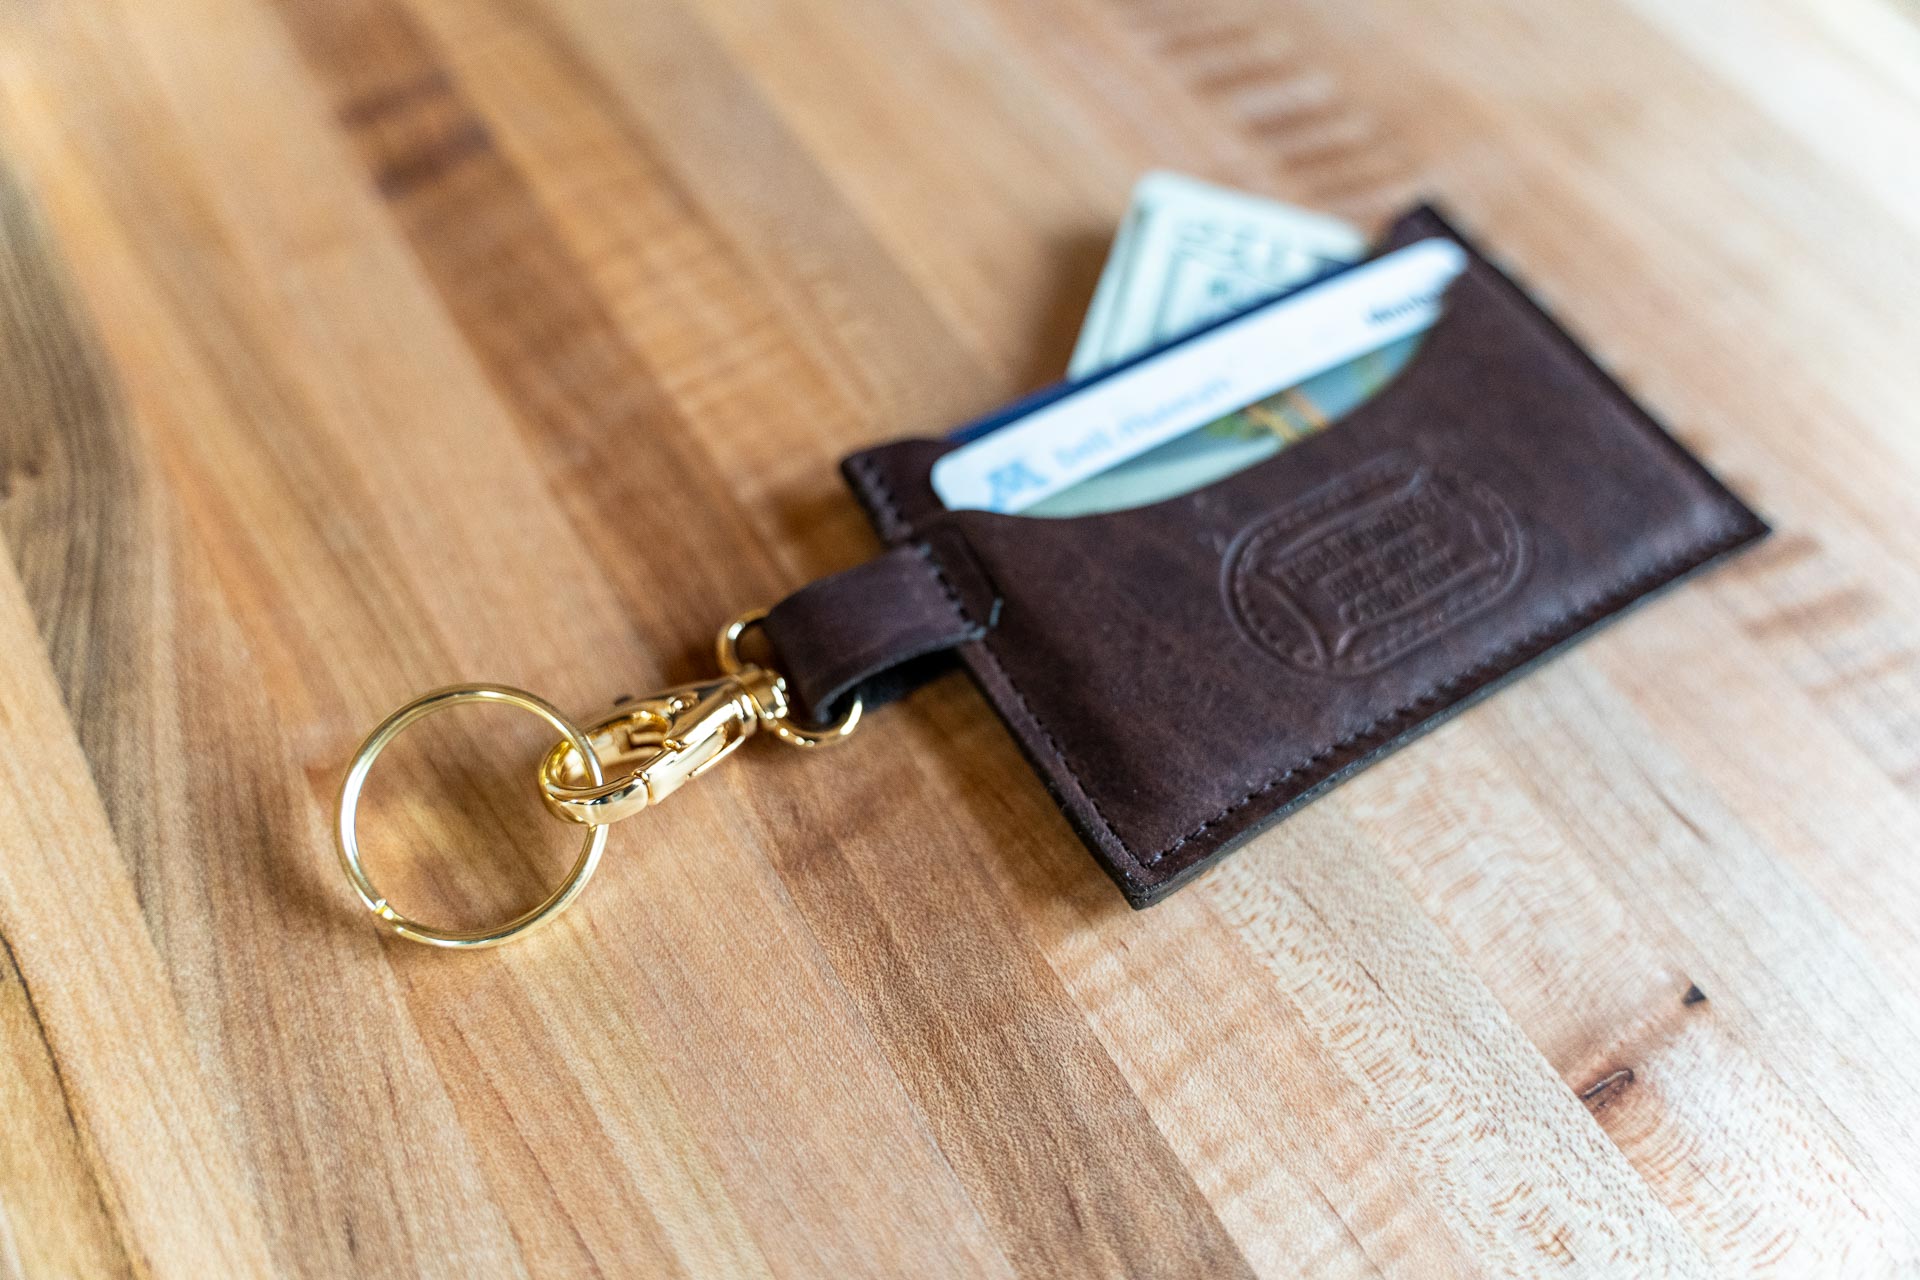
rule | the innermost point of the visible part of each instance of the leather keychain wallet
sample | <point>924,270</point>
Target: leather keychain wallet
<point>1185,673</point>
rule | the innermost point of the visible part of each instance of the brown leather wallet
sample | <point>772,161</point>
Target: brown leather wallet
<point>1185,673</point>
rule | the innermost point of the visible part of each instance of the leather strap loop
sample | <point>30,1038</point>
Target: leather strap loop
<point>868,628</point>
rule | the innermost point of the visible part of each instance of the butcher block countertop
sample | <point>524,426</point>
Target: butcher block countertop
<point>349,349</point>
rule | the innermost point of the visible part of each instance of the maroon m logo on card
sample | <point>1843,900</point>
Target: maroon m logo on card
<point>1371,566</point>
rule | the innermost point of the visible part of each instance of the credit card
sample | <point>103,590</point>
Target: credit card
<point>1235,442</point>
<point>1237,369</point>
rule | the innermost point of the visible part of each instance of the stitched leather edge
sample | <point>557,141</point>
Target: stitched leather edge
<point>895,525</point>
<point>976,630</point>
<point>897,528</point>
<point>1489,667</point>
<point>1742,527</point>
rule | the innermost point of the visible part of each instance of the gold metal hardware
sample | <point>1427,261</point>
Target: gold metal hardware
<point>632,758</point>
<point>782,726</point>
<point>347,840</point>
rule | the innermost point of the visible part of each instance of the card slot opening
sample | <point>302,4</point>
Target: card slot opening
<point>1439,351</point>
<point>1097,603</point>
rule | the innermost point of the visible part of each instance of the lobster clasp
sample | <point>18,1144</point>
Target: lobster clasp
<point>649,747</point>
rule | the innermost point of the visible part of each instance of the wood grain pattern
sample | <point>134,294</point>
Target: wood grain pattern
<point>351,348</point>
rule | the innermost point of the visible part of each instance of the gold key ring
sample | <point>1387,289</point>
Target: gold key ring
<point>656,744</point>
<point>347,839</point>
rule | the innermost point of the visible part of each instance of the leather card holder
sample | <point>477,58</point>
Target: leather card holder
<point>1183,674</point>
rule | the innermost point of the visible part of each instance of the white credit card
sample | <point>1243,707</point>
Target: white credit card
<point>1121,415</point>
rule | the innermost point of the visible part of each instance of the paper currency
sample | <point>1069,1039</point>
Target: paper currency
<point>1188,253</point>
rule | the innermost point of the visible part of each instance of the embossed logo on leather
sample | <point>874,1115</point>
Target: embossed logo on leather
<point>1370,566</point>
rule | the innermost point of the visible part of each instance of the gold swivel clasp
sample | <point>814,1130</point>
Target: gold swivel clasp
<point>652,746</point>
<point>632,758</point>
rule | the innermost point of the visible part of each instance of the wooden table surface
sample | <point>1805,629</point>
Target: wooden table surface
<point>354,348</point>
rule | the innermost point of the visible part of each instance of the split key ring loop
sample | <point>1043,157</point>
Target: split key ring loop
<point>347,840</point>
<point>656,744</point>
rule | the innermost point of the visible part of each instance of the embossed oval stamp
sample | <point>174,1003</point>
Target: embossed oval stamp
<point>1371,566</point>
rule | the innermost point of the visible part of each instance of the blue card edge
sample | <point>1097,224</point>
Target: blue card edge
<point>1008,414</point>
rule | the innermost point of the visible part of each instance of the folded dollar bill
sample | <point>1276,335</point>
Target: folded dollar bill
<point>1186,254</point>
